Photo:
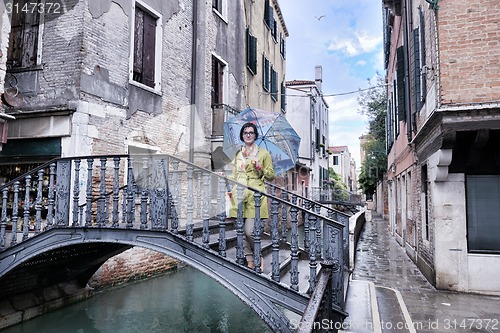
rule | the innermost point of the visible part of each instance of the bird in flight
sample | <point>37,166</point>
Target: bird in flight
<point>319,17</point>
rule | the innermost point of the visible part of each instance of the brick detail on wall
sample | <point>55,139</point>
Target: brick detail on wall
<point>132,265</point>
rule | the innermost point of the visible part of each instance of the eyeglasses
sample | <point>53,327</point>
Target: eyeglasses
<point>248,133</point>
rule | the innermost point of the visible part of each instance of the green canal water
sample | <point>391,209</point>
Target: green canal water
<point>182,301</point>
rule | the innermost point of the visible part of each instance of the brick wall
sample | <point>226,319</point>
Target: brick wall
<point>469,51</point>
<point>134,264</point>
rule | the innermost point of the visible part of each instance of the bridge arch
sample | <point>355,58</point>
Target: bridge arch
<point>264,296</point>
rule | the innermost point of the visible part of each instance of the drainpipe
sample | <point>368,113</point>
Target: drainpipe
<point>194,65</point>
<point>409,119</point>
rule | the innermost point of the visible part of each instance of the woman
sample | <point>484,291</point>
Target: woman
<point>251,166</point>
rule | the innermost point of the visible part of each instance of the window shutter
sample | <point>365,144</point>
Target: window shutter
<point>23,40</point>
<point>274,84</point>
<point>283,96</point>
<point>266,12</point>
<point>251,52</point>
<point>317,138</point>
<point>149,51</point>
<point>423,78</point>
<point>400,81</point>
<point>138,44</point>
<point>265,73</point>
<point>415,70</point>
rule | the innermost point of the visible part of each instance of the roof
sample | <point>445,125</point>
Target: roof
<point>338,149</point>
<point>299,82</point>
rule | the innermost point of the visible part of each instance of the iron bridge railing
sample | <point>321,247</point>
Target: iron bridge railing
<point>164,193</point>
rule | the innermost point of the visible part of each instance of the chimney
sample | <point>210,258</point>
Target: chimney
<point>319,76</point>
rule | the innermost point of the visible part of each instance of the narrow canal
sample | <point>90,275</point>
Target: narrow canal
<point>182,301</point>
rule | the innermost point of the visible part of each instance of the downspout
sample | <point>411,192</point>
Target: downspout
<point>406,71</point>
<point>194,50</point>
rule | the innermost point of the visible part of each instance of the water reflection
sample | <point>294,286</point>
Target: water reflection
<point>184,301</point>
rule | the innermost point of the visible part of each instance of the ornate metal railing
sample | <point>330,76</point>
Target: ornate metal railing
<point>164,193</point>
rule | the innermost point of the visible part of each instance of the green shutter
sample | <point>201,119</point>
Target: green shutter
<point>400,81</point>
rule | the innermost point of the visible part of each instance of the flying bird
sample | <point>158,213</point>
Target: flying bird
<point>319,17</point>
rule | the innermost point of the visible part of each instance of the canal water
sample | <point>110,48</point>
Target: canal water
<point>182,301</point>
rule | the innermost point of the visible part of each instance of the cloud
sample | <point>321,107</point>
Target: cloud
<point>347,42</point>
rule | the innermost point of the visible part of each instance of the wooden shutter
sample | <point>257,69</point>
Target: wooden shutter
<point>138,44</point>
<point>149,51</point>
<point>415,70</point>
<point>400,81</point>
<point>23,41</point>
<point>283,96</point>
<point>274,84</point>
<point>251,52</point>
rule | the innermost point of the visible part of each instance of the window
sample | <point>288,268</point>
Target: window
<point>483,213</point>
<point>294,181</point>
<point>251,52</point>
<point>266,73</point>
<point>283,96</point>
<point>217,82</point>
<point>335,160</point>
<point>282,46</point>
<point>220,6</point>
<point>400,84</point>
<point>274,84</point>
<point>24,50</point>
<point>146,44</point>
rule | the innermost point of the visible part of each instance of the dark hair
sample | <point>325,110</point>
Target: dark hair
<point>246,126</point>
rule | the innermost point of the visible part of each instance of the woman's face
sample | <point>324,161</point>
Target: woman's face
<point>248,135</point>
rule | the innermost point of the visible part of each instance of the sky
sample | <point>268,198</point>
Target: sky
<point>345,37</point>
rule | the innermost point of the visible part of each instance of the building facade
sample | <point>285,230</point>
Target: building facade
<point>257,42</point>
<point>343,165</point>
<point>307,112</point>
<point>135,76</point>
<point>443,122</point>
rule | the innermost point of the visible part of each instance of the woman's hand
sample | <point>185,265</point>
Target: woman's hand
<point>257,165</point>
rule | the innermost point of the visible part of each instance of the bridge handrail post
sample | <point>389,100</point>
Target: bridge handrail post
<point>257,232</point>
<point>313,255</point>
<point>116,189</point>
<point>38,203</point>
<point>88,206</point>
<point>206,210</point>
<point>3,222</point>
<point>294,246</point>
<point>275,237</point>
<point>76,192</point>
<point>240,256</point>
<point>334,255</point>
<point>189,204</point>
<point>130,195</point>
<point>221,207</point>
<point>284,213</point>
<point>51,196</point>
<point>101,202</point>
<point>26,207</point>
<point>63,193</point>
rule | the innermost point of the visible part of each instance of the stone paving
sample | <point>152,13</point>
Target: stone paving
<point>388,293</point>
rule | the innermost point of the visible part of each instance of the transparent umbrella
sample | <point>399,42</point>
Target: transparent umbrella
<point>275,134</point>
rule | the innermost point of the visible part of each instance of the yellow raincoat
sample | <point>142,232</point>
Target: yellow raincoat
<point>245,172</point>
